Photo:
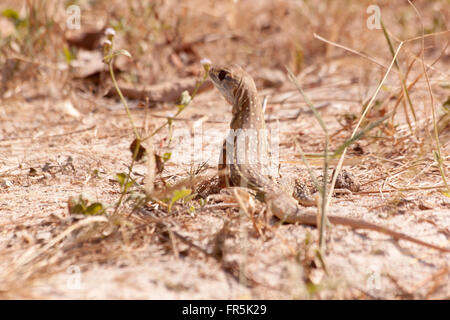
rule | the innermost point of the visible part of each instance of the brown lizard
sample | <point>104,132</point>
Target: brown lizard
<point>247,143</point>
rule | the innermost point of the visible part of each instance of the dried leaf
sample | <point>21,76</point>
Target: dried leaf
<point>140,152</point>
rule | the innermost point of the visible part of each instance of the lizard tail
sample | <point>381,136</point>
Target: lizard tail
<point>311,219</point>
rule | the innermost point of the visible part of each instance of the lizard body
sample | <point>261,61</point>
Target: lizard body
<point>239,89</point>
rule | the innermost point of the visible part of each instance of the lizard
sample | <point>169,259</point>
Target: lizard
<point>239,90</point>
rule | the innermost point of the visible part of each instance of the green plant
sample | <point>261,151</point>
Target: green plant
<point>125,180</point>
<point>83,205</point>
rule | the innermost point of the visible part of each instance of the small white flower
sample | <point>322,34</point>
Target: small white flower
<point>107,43</point>
<point>185,98</point>
<point>110,32</point>
<point>205,61</point>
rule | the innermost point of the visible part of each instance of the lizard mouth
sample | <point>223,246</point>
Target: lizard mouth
<point>213,75</point>
<point>219,84</point>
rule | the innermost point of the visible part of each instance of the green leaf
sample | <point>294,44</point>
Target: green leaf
<point>76,209</point>
<point>166,156</point>
<point>77,206</point>
<point>437,157</point>
<point>190,197</point>
<point>385,88</point>
<point>177,195</point>
<point>129,184</point>
<point>446,104</point>
<point>121,177</point>
<point>94,209</point>
<point>82,205</point>
<point>122,52</point>
<point>312,288</point>
<point>95,173</point>
<point>68,55</point>
<point>202,202</point>
<point>11,14</point>
<point>446,193</point>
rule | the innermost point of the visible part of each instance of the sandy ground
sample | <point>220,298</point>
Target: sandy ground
<point>140,261</point>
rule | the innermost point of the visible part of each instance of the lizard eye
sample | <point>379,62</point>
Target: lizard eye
<point>222,75</point>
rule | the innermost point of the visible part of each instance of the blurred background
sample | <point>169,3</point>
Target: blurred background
<point>44,41</point>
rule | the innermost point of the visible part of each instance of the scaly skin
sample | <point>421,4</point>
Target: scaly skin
<point>239,89</point>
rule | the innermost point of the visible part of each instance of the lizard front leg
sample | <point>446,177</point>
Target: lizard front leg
<point>222,169</point>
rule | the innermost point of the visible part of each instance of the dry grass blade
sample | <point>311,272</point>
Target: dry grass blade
<point>400,73</point>
<point>369,105</point>
<point>350,50</point>
<point>438,155</point>
<point>359,135</point>
<point>323,188</point>
<point>34,253</point>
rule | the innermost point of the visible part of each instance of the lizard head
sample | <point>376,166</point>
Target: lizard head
<point>231,81</point>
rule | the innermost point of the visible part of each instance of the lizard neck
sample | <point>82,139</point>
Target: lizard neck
<point>249,139</point>
<point>247,109</point>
